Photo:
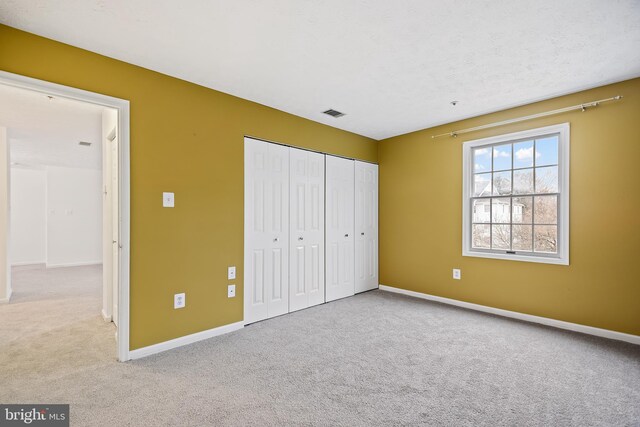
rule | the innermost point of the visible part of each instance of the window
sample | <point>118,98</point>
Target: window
<point>516,196</point>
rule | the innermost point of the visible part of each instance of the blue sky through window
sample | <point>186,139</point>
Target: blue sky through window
<point>523,154</point>
<point>502,157</point>
<point>547,151</point>
<point>482,160</point>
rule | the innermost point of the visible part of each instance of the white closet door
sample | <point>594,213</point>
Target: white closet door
<point>266,228</point>
<point>366,226</point>
<point>306,235</point>
<point>340,239</point>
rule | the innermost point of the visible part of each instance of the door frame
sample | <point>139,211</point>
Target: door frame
<point>122,106</point>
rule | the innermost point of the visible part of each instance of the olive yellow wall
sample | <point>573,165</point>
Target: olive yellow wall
<point>421,217</point>
<point>187,139</point>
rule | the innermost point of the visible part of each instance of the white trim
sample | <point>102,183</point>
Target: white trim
<point>107,318</point>
<point>8,298</point>
<point>73,264</point>
<point>186,340</point>
<point>589,330</point>
<point>563,198</point>
<point>122,106</point>
<point>24,263</point>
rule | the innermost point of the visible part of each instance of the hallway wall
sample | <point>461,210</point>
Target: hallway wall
<point>74,216</point>
<point>28,207</point>
<point>57,215</point>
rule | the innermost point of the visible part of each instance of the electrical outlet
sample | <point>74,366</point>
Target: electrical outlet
<point>231,273</point>
<point>179,301</point>
<point>457,274</point>
<point>231,291</point>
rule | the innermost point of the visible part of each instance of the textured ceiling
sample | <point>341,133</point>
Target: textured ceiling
<point>391,66</point>
<point>46,132</point>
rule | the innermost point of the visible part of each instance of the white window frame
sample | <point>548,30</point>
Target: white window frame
<point>562,257</point>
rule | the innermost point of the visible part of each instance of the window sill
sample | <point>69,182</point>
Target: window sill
<point>560,260</point>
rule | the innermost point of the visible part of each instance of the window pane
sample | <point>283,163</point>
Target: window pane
<point>502,157</point>
<point>523,181</point>
<point>482,184</point>
<point>481,236</point>
<point>500,209</point>
<point>523,154</point>
<point>522,236</point>
<point>501,183</point>
<point>521,208</point>
<point>501,237</point>
<point>481,210</point>
<point>547,179</point>
<point>546,210</point>
<point>482,160</point>
<point>547,151</point>
<point>545,238</point>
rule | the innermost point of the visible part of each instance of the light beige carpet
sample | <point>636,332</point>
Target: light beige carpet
<point>373,359</point>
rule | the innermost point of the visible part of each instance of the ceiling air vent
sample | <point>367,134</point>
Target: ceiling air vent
<point>333,113</point>
<point>84,143</point>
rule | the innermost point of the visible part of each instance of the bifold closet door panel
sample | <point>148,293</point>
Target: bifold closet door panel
<point>306,231</point>
<point>366,208</point>
<point>266,228</point>
<point>340,237</point>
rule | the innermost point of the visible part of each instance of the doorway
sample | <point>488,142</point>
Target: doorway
<point>104,241</point>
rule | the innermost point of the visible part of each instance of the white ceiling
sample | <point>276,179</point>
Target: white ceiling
<point>46,132</point>
<point>392,66</point>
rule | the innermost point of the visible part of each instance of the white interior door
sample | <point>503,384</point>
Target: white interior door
<point>366,210</point>
<point>340,237</point>
<point>109,119</point>
<point>306,235</point>
<point>266,230</point>
<point>115,228</point>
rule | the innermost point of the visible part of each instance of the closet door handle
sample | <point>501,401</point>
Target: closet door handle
<point>362,234</point>
<point>346,235</point>
<point>275,240</point>
<point>300,238</point>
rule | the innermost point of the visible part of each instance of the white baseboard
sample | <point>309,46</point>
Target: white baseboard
<point>107,318</point>
<point>188,339</point>
<point>590,330</point>
<point>74,264</point>
<point>8,298</point>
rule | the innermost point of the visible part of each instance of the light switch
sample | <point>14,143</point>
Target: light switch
<point>168,200</point>
<point>231,273</point>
